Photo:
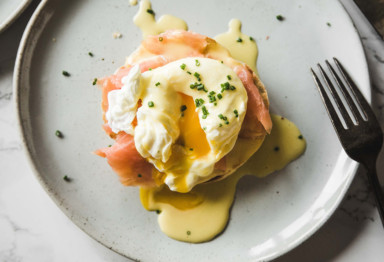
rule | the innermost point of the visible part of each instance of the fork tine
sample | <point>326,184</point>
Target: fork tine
<point>336,97</point>
<point>356,92</point>
<point>328,105</point>
<point>351,103</point>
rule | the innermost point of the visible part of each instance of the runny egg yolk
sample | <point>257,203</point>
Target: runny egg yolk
<point>191,144</point>
<point>192,136</point>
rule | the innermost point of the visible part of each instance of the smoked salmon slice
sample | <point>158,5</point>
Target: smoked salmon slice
<point>124,159</point>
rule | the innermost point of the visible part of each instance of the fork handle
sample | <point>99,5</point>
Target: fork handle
<point>377,190</point>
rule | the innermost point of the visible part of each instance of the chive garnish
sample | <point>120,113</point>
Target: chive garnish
<point>197,75</point>
<point>67,179</point>
<point>158,211</point>
<point>227,86</point>
<point>251,38</point>
<point>59,134</point>
<point>205,112</point>
<point>157,84</point>
<point>94,81</point>
<point>280,17</point>
<point>222,117</point>
<point>188,232</point>
<point>65,73</point>
<point>197,62</point>
<point>161,39</point>
<point>229,77</point>
<point>150,11</point>
<point>191,149</point>
<point>239,40</point>
<point>90,54</point>
<point>182,66</point>
<point>276,148</point>
<point>212,97</point>
<point>199,102</point>
<point>183,108</point>
<point>139,175</point>
<point>151,104</point>
<point>149,69</point>
<point>329,24</point>
<point>219,96</point>
<point>236,113</point>
<point>300,136</point>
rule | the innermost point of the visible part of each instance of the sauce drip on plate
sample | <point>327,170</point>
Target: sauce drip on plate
<point>203,213</point>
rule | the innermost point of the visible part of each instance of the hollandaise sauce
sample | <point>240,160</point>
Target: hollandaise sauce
<point>202,213</point>
<point>241,46</point>
<point>145,20</point>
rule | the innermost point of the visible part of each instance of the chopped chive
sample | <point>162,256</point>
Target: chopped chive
<point>149,69</point>
<point>280,17</point>
<point>188,232</point>
<point>329,24</point>
<point>222,117</point>
<point>190,149</point>
<point>158,211</point>
<point>182,66</point>
<point>222,61</point>
<point>90,54</point>
<point>151,104</point>
<point>139,175</point>
<point>197,75</point>
<point>219,96</point>
<point>157,84</point>
<point>150,11</point>
<point>161,39</point>
<point>183,108</point>
<point>65,73</point>
<point>251,38</point>
<point>94,81</point>
<point>227,122</point>
<point>109,145</point>
<point>220,125</point>
<point>239,40</point>
<point>205,112</point>
<point>197,62</point>
<point>199,102</point>
<point>300,137</point>
<point>229,77</point>
<point>276,148</point>
<point>59,134</point>
<point>189,73</point>
<point>236,113</point>
<point>67,178</point>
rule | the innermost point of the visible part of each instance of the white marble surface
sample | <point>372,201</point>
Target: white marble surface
<point>33,229</point>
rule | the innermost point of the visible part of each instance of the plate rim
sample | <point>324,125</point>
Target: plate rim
<point>17,81</point>
<point>14,15</point>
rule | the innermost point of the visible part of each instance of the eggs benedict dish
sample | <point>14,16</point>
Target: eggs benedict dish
<point>182,112</point>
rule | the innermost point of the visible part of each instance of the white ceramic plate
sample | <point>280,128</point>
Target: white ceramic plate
<point>10,11</point>
<point>270,216</point>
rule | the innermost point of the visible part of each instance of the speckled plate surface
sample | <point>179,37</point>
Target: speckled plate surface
<point>270,216</point>
<point>10,11</point>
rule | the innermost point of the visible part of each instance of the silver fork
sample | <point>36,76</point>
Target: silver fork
<point>362,140</point>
